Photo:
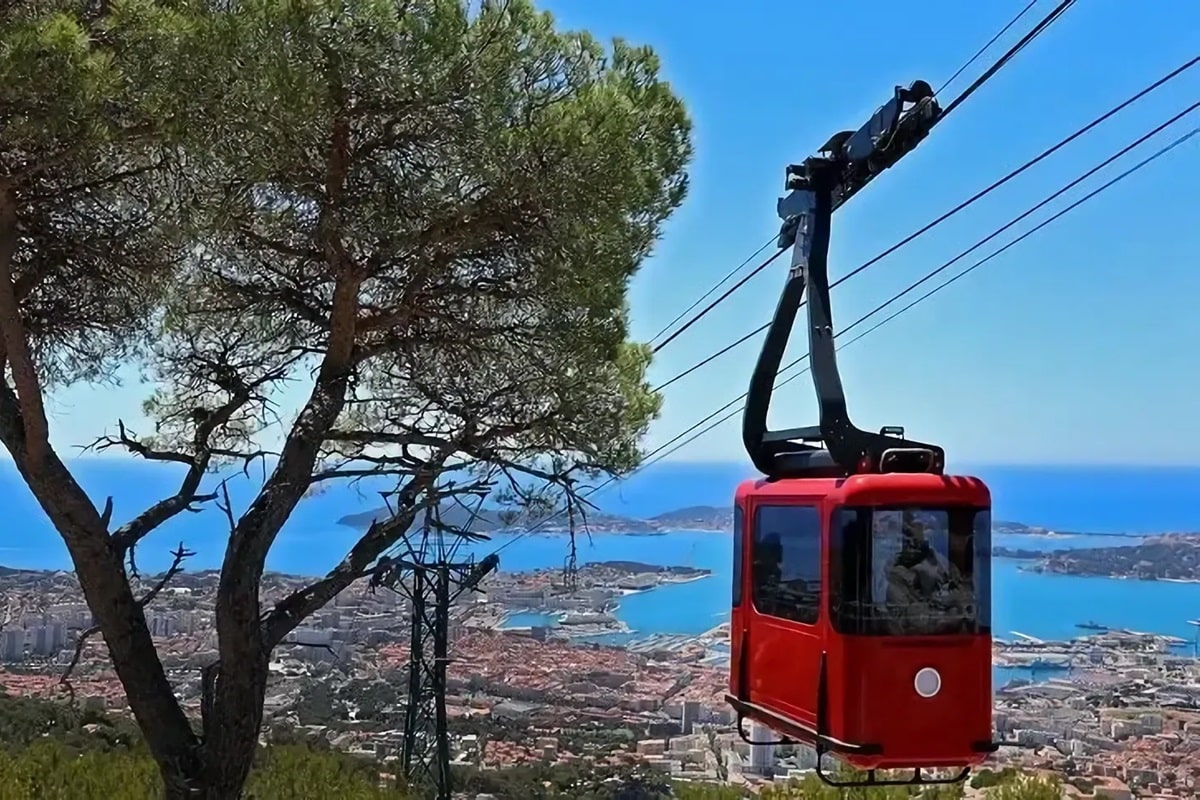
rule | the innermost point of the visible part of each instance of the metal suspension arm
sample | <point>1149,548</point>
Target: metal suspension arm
<point>807,232</point>
<point>817,187</point>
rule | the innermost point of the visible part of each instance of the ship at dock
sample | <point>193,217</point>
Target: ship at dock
<point>1033,661</point>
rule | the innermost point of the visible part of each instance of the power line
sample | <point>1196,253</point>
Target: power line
<point>713,357</point>
<point>979,82</point>
<point>1004,59</point>
<point>964,204</point>
<point>656,457</point>
<point>670,447</point>
<point>1036,207</point>
<point>1145,162</point>
<point>895,314</point>
<point>715,286</point>
<point>763,265</point>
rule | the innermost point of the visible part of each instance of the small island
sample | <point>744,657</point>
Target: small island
<point>1002,528</point>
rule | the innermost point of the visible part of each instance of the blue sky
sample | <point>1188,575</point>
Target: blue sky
<point>1076,346</point>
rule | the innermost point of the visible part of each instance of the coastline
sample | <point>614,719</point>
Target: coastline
<point>689,579</point>
<point>552,532</point>
<point>621,627</point>
<point>1004,533</point>
<point>665,582</point>
<point>1029,570</point>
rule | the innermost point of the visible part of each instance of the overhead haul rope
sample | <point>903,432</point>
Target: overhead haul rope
<point>985,48</point>
<point>964,204</point>
<point>982,79</point>
<point>670,447</point>
<point>1011,53</point>
<point>658,454</point>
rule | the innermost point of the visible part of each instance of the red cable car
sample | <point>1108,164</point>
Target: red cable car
<point>861,598</point>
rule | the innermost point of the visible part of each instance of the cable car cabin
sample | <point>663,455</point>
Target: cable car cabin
<point>860,618</point>
<point>861,593</point>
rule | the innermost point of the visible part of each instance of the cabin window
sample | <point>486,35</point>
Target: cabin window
<point>911,571</point>
<point>738,547</point>
<point>981,545</point>
<point>787,562</point>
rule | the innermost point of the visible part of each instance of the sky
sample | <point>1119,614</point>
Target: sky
<point>1076,346</point>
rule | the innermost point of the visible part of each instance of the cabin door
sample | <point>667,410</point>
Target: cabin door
<point>786,588</point>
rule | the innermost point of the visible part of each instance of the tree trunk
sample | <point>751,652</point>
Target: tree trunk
<point>232,715</point>
<point>120,618</point>
<point>217,766</point>
<point>98,563</point>
<point>231,726</point>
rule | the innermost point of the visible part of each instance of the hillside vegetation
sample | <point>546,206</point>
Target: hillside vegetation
<point>52,751</point>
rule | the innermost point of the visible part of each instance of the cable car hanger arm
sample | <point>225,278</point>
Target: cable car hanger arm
<point>817,187</point>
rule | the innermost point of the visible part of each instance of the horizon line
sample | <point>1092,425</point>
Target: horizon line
<point>6,458</point>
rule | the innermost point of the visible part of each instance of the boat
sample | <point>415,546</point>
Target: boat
<point>1092,626</point>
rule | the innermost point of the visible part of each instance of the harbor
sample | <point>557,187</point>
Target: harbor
<point>1107,649</point>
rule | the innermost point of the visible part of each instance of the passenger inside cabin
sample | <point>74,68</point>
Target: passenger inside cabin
<point>960,594</point>
<point>916,577</point>
<point>927,568</point>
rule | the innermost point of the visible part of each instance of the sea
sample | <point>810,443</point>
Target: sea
<point>1130,502</point>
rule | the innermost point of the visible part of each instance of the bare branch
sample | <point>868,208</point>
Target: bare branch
<point>133,445</point>
<point>179,555</point>
<point>226,506</point>
<point>411,438</point>
<point>357,473</point>
<point>106,514</point>
<point>198,461</point>
<point>359,562</point>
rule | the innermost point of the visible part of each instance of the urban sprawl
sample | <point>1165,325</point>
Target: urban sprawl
<point>1119,709</point>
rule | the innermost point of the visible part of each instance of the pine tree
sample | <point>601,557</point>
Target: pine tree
<point>411,224</point>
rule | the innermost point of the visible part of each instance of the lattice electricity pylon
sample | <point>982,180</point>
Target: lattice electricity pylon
<point>431,578</point>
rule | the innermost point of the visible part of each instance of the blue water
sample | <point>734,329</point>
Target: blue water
<point>1092,499</point>
<point>1047,606</point>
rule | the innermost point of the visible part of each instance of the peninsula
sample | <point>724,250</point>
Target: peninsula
<point>707,519</point>
<point>589,606</point>
<point>1169,557</point>
<point>693,518</point>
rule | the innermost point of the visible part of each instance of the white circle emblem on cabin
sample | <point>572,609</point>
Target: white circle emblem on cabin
<point>927,682</point>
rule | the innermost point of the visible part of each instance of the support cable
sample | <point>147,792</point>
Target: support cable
<point>987,75</point>
<point>671,446</point>
<point>985,48</point>
<point>658,454</point>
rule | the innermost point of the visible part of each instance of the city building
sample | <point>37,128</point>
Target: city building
<point>762,756</point>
